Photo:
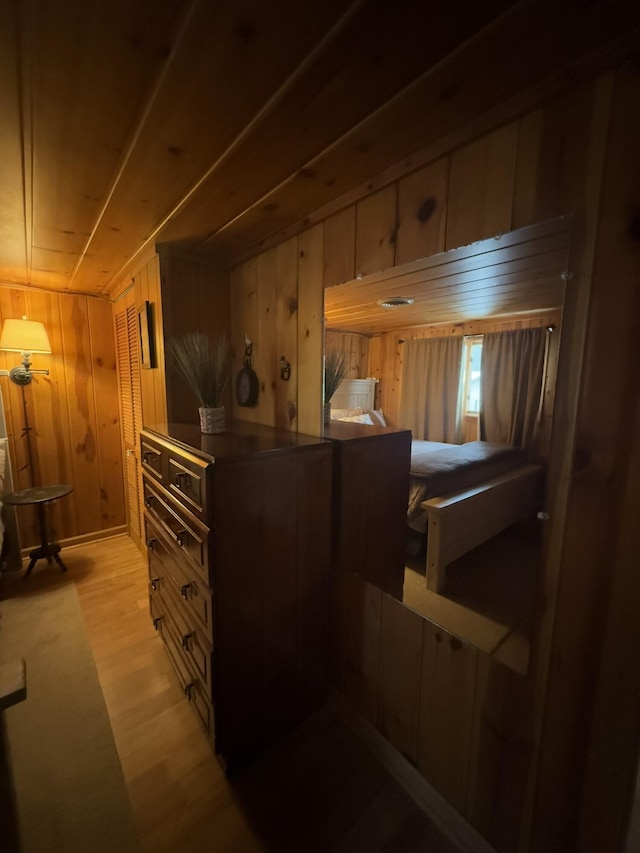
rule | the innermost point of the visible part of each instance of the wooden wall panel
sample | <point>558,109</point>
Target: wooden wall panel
<point>401,644</point>
<point>74,414</point>
<point>362,653</point>
<point>340,247</point>
<point>446,712</point>
<point>194,297</point>
<point>246,323</point>
<point>310,330</point>
<point>287,333</point>
<point>107,415</point>
<point>422,212</point>
<point>376,231</point>
<point>481,184</point>
<point>597,547</point>
<point>81,408</point>
<point>356,350</point>
<point>266,358</point>
<point>500,754</point>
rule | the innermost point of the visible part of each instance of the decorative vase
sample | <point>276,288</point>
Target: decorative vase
<point>326,412</point>
<point>211,419</point>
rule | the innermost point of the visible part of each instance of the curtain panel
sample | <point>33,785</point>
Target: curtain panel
<point>430,388</point>
<point>512,373</point>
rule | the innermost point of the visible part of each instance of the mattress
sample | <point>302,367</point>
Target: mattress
<point>441,469</point>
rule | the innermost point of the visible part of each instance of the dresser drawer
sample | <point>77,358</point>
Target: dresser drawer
<point>197,651</point>
<point>187,482</point>
<point>181,473</point>
<point>153,457</point>
<point>166,566</point>
<point>187,536</point>
<point>193,689</point>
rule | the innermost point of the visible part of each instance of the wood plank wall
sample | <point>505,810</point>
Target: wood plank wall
<point>546,164</point>
<point>277,302</point>
<point>73,412</point>
<point>356,350</point>
<point>448,708</point>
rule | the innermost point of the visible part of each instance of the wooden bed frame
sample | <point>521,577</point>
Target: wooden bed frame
<point>459,522</point>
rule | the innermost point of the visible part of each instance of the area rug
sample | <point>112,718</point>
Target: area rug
<point>69,791</point>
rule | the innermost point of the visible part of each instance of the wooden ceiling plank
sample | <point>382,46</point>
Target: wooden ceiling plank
<point>304,59</point>
<point>451,282</point>
<point>93,64</point>
<point>15,204</point>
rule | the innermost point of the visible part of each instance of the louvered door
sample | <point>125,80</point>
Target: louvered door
<point>126,321</point>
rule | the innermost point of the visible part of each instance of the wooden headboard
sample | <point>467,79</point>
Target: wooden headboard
<point>355,394</point>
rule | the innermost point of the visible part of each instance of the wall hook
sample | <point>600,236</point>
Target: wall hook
<point>285,369</point>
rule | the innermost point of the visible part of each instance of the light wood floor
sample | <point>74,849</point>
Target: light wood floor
<point>319,790</point>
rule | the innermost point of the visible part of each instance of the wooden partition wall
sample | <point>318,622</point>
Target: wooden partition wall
<point>546,163</point>
<point>74,413</point>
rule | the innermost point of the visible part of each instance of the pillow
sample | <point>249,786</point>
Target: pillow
<point>339,414</point>
<point>377,417</point>
<point>358,419</point>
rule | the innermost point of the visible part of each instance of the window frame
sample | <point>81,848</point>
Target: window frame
<point>469,341</point>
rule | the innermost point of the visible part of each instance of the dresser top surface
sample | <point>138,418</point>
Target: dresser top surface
<point>240,439</point>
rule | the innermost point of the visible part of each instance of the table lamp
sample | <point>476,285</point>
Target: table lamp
<point>27,337</point>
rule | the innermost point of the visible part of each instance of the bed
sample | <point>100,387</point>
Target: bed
<point>460,495</point>
<point>463,495</point>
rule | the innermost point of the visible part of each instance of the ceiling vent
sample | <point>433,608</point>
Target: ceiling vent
<point>395,301</point>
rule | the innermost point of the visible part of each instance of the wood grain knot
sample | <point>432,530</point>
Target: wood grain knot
<point>175,150</point>
<point>269,208</point>
<point>455,644</point>
<point>427,209</point>
<point>293,305</point>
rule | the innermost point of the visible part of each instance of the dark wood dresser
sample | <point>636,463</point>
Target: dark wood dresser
<point>238,530</point>
<point>370,496</point>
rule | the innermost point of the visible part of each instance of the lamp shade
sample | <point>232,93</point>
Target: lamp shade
<point>24,336</point>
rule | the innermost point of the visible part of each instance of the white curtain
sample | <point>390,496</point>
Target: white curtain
<point>513,365</point>
<point>430,388</point>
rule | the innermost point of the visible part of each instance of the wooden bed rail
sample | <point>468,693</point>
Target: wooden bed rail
<point>459,522</point>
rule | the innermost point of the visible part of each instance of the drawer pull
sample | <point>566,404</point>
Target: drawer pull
<point>187,642</point>
<point>180,537</point>
<point>183,480</point>
<point>156,622</point>
<point>188,691</point>
<point>151,544</point>
<point>148,501</point>
<point>148,456</point>
<point>155,584</point>
<point>185,591</point>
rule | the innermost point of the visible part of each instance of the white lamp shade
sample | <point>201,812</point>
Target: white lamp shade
<point>24,336</point>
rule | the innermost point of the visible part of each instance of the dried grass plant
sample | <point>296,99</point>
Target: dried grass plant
<point>204,366</point>
<point>335,369</point>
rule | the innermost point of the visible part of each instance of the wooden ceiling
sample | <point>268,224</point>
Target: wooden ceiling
<point>222,125</point>
<point>518,273</point>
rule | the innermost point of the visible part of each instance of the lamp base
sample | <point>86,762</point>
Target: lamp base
<point>20,375</point>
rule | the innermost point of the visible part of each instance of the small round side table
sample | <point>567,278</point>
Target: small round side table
<point>40,496</point>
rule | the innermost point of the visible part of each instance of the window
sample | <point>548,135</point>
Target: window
<point>471,361</point>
